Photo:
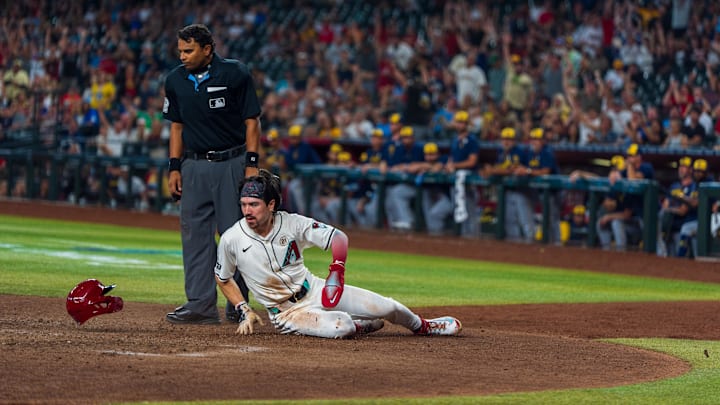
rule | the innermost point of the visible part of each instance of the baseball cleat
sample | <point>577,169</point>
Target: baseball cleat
<point>444,326</point>
<point>366,326</point>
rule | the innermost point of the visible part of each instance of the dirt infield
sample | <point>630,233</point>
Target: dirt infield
<point>134,355</point>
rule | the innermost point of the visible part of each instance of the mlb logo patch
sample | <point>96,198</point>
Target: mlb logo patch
<point>217,102</point>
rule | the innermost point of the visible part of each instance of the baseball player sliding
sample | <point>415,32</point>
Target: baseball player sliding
<point>266,247</point>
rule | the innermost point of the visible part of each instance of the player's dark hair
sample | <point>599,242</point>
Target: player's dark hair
<point>271,187</point>
<point>199,32</point>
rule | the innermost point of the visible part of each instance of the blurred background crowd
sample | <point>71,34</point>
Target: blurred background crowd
<point>86,77</point>
<point>616,72</point>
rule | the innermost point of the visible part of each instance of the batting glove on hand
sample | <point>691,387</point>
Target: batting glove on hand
<point>334,285</point>
<point>247,319</point>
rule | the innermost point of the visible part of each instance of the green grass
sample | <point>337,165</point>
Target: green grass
<point>47,258</point>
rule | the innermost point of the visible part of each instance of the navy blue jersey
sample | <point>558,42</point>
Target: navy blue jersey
<point>516,155</point>
<point>399,154</point>
<point>543,159</point>
<point>302,153</point>
<point>461,149</point>
<point>374,156</point>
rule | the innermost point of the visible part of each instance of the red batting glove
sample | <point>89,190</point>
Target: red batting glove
<point>334,285</point>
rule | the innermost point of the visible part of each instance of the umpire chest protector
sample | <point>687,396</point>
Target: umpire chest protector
<point>212,106</point>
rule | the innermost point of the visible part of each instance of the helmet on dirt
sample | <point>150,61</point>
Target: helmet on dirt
<point>88,299</point>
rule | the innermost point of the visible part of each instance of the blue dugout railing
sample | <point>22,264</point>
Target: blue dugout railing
<point>37,165</point>
<point>545,185</point>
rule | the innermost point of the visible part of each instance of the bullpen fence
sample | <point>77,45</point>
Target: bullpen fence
<point>140,182</point>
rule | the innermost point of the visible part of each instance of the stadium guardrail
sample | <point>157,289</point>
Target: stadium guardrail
<point>33,167</point>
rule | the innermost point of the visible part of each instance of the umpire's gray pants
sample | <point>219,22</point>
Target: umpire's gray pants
<point>210,204</point>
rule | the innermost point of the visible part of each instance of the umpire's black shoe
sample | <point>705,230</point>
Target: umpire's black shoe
<point>182,315</point>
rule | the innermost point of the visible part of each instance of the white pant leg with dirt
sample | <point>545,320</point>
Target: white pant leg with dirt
<point>308,317</point>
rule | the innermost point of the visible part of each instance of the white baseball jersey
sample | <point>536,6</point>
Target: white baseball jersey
<point>272,266</point>
<point>274,270</point>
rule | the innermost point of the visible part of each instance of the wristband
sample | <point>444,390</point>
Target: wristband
<point>242,309</point>
<point>174,165</point>
<point>251,159</point>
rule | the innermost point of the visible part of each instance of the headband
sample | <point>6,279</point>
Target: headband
<point>253,189</point>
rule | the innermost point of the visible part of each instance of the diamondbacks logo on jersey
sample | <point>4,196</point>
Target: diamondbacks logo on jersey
<point>292,254</point>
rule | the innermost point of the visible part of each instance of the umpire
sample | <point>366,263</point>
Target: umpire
<point>214,139</point>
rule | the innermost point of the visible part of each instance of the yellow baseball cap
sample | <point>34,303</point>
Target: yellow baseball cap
<point>633,150</point>
<point>377,132</point>
<point>295,130</point>
<point>335,132</point>
<point>406,131</point>
<point>579,210</point>
<point>336,148</point>
<point>507,133</point>
<point>273,134</point>
<point>537,133</point>
<point>344,156</point>
<point>700,164</point>
<point>430,147</point>
<point>618,162</point>
<point>395,118</point>
<point>461,116</point>
<point>685,161</point>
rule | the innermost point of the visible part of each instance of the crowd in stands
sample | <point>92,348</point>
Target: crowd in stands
<point>89,75</point>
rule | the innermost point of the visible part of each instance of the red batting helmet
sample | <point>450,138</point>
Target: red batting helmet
<point>88,299</point>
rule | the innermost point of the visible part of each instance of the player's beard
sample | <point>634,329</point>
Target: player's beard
<point>261,225</point>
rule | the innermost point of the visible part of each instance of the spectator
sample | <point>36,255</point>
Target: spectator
<point>436,203</point>
<point>688,231</point>
<point>470,80</point>
<point>299,152</point>
<point>519,218</point>
<point>365,208</point>
<point>694,130</point>
<point>676,208</point>
<point>615,77</point>
<point>400,194</point>
<point>541,161</point>
<point>274,153</point>
<point>519,85</point>
<point>620,218</point>
<point>552,75</point>
<point>676,139</point>
<point>464,159</point>
<point>578,224</point>
<point>678,95</point>
<point>589,128</point>
<point>326,201</point>
<point>16,81</point>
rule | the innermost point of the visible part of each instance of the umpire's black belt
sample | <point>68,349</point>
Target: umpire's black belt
<point>215,155</point>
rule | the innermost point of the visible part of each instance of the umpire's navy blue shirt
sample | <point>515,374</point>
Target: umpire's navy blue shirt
<point>212,110</point>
